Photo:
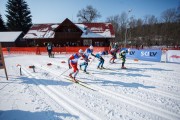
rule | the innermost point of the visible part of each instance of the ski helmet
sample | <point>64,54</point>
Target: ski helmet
<point>123,51</point>
<point>91,47</point>
<point>80,51</point>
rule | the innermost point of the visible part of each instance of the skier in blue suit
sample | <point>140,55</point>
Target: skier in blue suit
<point>88,51</point>
<point>101,60</point>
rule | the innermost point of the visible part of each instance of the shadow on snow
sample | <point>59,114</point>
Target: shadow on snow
<point>41,115</point>
<point>35,81</point>
<point>119,73</point>
<point>123,84</point>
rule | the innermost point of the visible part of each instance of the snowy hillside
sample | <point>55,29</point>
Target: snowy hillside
<point>144,91</point>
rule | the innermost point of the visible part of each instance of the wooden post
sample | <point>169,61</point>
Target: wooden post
<point>2,63</point>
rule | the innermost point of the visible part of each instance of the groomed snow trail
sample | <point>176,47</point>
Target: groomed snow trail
<point>144,91</point>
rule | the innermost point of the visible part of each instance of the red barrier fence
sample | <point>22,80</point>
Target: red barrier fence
<point>40,50</point>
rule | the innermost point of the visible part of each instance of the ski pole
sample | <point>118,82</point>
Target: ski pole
<point>64,72</point>
<point>92,60</point>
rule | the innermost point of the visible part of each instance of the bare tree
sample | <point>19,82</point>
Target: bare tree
<point>114,20</point>
<point>150,19</point>
<point>89,14</point>
<point>178,14</point>
<point>169,15</point>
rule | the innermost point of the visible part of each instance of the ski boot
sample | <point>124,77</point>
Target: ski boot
<point>86,72</point>
<point>103,67</point>
<point>70,75</point>
<point>80,67</point>
<point>123,67</point>
<point>74,80</point>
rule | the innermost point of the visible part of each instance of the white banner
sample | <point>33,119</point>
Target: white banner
<point>173,56</point>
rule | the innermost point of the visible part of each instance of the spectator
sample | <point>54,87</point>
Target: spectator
<point>49,49</point>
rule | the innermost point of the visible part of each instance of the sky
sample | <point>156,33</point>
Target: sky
<point>55,11</point>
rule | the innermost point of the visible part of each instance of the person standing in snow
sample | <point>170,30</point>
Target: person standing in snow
<point>101,60</point>
<point>88,51</point>
<point>72,62</point>
<point>49,49</point>
<point>123,57</point>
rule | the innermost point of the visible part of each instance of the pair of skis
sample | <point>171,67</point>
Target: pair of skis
<point>79,82</point>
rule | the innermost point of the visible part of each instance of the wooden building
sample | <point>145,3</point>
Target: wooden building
<point>12,39</point>
<point>68,33</point>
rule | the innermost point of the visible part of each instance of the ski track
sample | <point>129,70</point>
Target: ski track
<point>159,92</point>
<point>175,96</point>
<point>157,81</point>
<point>57,75</point>
<point>63,100</point>
<point>110,97</point>
<point>139,104</point>
<point>156,71</point>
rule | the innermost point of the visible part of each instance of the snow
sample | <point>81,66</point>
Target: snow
<point>47,31</point>
<point>40,34</point>
<point>9,36</point>
<point>144,91</point>
<point>95,32</point>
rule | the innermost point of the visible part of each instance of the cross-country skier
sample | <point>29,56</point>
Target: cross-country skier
<point>72,62</point>
<point>113,52</point>
<point>88,51</point>
<point>85,62</point>
<point>123,58</point>
<point>101,60</point>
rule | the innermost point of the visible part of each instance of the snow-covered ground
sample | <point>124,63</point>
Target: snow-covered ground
<point>144,91</point>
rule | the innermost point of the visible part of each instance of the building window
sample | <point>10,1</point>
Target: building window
<point>87,42</point>
<point>96,43</point>
<point>99,43</point>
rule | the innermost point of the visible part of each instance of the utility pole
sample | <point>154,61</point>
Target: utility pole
<point>125,41</point>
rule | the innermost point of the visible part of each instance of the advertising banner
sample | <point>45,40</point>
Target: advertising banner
<point>144,54</point>
<point>132,54</point>
<point>150,55</point>
<point>173,56</point>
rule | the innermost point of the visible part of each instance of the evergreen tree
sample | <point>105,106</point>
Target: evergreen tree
<point>18,15</point>
<point>2,25</point>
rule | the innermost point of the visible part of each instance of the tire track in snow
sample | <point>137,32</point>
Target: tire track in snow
<point>61,99</point>
<point>137,103</point>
